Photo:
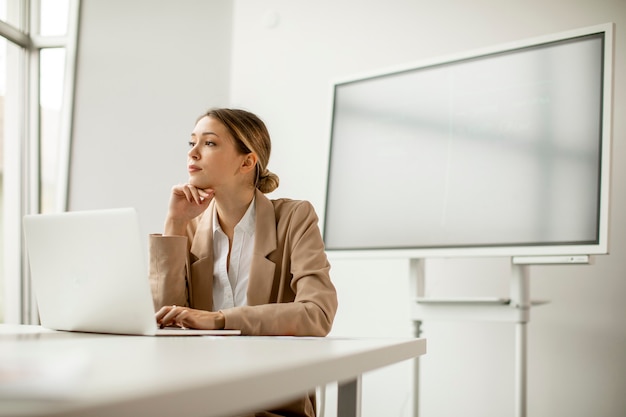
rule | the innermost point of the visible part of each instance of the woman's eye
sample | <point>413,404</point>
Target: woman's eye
<point>207,143</point>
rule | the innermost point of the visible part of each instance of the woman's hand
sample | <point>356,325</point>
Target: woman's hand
<point>190,318</point>
<point>186,203</point>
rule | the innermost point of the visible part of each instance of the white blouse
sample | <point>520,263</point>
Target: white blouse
<point>230,285</point>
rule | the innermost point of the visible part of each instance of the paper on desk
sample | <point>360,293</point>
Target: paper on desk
<point>44,376</point>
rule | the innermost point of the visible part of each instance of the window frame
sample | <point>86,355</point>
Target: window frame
<point>22,181</point>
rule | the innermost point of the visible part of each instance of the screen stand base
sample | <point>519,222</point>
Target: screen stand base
<point>515,309</point>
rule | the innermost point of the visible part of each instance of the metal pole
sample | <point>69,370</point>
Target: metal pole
<point>416,371</point>
<point>520,299</point>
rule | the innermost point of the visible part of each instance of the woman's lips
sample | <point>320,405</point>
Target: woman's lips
<point>193,168</point>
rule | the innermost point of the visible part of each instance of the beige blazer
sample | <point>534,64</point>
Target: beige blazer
<point>289,290</point>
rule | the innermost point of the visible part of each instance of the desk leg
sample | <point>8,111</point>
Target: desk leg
<point>349,398</point>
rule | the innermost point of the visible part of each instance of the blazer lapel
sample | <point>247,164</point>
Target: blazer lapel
<point>201,285</point>
<point>262,269</point>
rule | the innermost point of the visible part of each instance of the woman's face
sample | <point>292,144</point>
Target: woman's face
<point>213,161</point>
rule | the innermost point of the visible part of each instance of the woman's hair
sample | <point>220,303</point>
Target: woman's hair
<point>250,135</point>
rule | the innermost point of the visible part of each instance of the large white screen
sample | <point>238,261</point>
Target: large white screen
<point>497,150</point>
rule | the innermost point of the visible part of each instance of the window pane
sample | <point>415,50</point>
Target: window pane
<point>10,12</point>
<point>52,61</point>
<point>53,19</point>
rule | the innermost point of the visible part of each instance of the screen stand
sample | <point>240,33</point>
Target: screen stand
<point>515,309</point>
<point>520,300</point>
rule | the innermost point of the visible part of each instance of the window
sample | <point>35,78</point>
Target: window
<point>53,17</point>
<point>12,12</point>
<point>37,50</point>
<point>13,74</point>
<point>52,64</point>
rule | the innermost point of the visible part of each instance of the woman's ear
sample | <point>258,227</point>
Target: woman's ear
<point>249,162</point>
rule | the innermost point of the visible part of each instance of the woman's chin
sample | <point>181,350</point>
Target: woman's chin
<point>198,183</point>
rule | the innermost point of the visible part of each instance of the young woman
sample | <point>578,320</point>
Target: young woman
<point>229,257</point>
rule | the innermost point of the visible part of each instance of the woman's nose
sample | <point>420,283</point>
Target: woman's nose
<point>193,153</point>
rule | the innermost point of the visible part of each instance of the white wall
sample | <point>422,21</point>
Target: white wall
<point>148,67</point>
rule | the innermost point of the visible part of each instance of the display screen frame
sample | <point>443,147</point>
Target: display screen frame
<point>353,213</point>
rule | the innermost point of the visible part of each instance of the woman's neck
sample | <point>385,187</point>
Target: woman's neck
<point>231,207</point>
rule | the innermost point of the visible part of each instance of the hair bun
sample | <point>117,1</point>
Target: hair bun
<point>268,181</point>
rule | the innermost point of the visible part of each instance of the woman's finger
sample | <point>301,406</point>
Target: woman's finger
<point>161,313</point>
<point>167,315</point>
<point>195,194</point>
<point>188,193</point>
<point>180,319</point>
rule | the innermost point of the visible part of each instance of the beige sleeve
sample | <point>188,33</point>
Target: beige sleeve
<point>168,270</point>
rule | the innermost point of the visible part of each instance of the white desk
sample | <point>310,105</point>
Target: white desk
<point>185,376</point>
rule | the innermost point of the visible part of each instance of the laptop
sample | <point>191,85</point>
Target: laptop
<point>89,274</point>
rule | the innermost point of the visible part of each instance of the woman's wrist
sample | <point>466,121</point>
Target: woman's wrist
<point>174,227</point>
<point>220,320</point>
